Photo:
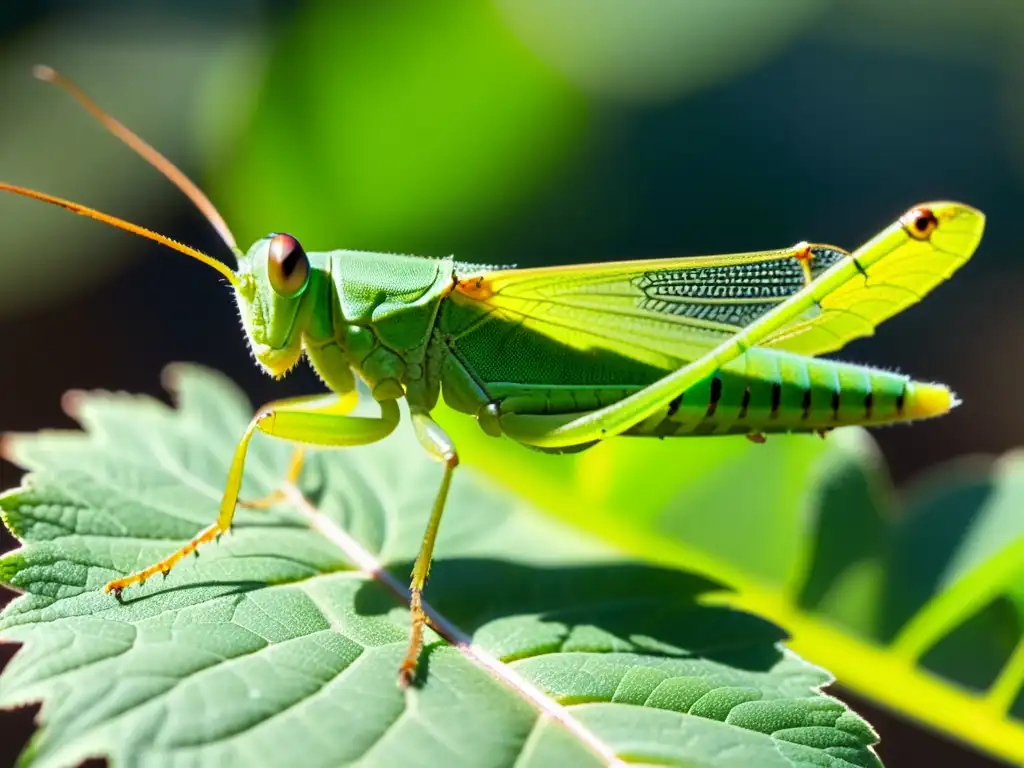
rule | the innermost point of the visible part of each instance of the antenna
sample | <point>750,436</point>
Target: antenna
<point>149,234</point>
<point>154,158</point>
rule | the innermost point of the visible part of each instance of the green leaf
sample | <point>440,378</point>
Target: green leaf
<point>274,646</point>
<point>914,599</point>
<point>364,125</point>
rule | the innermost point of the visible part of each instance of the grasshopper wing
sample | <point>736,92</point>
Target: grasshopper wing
<point>662,311</point>
<point>671,311</point>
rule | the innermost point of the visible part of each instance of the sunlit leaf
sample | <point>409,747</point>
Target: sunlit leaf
<point>916,601</point>
<point>273,648</point>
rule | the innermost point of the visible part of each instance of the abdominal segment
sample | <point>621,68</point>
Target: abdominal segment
<point>761,392</point>
<point>805,395</point>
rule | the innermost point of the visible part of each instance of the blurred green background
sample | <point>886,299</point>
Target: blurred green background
<point>506,131</point>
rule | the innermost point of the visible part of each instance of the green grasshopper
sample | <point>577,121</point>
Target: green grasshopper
<point>560,358</point>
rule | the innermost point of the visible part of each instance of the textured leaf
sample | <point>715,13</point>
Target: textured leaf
<point>274,648</point>
<point>913,599</point>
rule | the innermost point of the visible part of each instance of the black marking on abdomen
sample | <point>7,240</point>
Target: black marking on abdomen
<point>805,404</point>
<point>901,400</point>
<point>869,404</point>
<point>835,405</point>
<point>673,407</point>
<point>776,399</point>
<point>856,263</point>
<point>716,395</point>
<point>745,403</point>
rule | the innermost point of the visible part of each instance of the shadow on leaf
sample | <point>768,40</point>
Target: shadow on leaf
<point>515,611</point>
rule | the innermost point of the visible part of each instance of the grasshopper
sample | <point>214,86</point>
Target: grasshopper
<point>560,358</point>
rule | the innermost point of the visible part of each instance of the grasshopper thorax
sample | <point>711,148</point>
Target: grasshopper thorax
<point>273,279</point>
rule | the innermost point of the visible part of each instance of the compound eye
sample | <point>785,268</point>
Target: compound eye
<point>287,265</point>
<point>919,223</point>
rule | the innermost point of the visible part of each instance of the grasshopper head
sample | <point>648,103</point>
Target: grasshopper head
<point>272,279</point>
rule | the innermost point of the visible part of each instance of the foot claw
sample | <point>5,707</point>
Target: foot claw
<point>406,675</point>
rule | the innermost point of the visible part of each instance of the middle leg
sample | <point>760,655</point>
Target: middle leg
<point>440,446</point>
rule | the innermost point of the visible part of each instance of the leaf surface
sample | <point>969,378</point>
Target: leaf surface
<point>272,647</point>
<point>913,598</point>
